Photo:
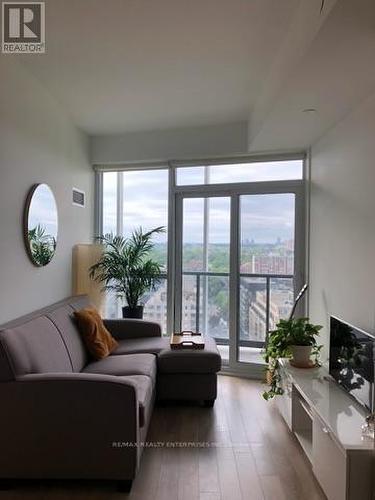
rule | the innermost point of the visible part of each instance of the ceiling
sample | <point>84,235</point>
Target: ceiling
<point>334,72</point>
<point>123,66</point>
<point>132,65</point>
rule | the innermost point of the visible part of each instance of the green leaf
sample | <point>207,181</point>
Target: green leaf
<point>289,332</point>
<point>124,267</point>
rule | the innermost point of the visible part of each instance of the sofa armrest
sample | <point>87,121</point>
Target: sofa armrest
<point>69,425</point>
<point>123,329</point>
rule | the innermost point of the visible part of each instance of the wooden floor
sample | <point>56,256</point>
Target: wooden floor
<point>252,455</point>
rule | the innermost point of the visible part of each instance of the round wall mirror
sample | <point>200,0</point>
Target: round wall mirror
<point>40,225</point>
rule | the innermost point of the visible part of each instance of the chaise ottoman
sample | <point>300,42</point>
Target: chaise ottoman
<point>189,374</point>
<point>182,374</point>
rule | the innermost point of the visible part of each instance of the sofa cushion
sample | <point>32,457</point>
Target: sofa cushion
<point>205,360</point>
<point>129,328</point>
<point>152,345</point>
<point>63,319</point>
<point>129,364</point>
<point>35,347</point>
<point>78,302</point>
<point>98,340</point>
<point>145,393</point>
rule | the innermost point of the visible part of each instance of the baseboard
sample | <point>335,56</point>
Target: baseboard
<point>254,372</point>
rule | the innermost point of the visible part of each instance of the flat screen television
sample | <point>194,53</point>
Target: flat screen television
<point>351,361</point>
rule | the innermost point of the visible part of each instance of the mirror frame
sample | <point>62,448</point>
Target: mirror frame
<point>25,224</point>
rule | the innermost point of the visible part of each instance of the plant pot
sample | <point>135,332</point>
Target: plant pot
<point>301,355</point>
<point>269,376</point>
<point>132,312</point>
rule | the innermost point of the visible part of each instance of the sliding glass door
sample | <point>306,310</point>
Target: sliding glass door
<point>235,266</point>
<point>265,268</point>
<point>204,266</point>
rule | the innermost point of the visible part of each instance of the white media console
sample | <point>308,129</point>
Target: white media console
<point>327,423</point>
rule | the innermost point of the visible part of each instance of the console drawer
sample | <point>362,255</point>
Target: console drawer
<point>329,462</point>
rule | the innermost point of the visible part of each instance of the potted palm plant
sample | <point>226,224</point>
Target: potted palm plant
<point>126,269</point>
<point>295,339</point>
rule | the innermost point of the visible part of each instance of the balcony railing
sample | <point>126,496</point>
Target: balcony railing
<point>263,300</point>
<point>265,312</point>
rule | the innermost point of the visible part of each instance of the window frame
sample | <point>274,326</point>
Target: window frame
<point>298,186</point>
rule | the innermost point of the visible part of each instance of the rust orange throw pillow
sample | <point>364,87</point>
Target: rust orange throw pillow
<point>96,337</point>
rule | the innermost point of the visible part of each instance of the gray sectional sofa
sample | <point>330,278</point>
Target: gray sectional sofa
<point>66,416</point>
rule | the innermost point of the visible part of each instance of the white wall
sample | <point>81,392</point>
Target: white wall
<point>38,143</point>
<point>342,268</point>
<point>156,145</point>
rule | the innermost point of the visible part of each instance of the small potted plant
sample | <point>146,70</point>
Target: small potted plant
<point>126,269</point>
<point>295,339</point>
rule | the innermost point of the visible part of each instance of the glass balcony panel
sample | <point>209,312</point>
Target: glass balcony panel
<point>281,300</point>
<point>189,309</point>
<point>253,310</point>
<point>155,306</point>
<point>214,307</point>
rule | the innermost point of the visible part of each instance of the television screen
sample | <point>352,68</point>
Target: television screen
<point>351,361</point>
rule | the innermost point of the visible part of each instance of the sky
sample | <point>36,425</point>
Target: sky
<point>43,210</point>
<point>264,218</point>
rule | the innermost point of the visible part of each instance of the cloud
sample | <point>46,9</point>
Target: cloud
<point>43,210</point>
<point>264,218</point>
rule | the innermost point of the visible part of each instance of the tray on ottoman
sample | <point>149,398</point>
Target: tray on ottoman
<point>187,340</point>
